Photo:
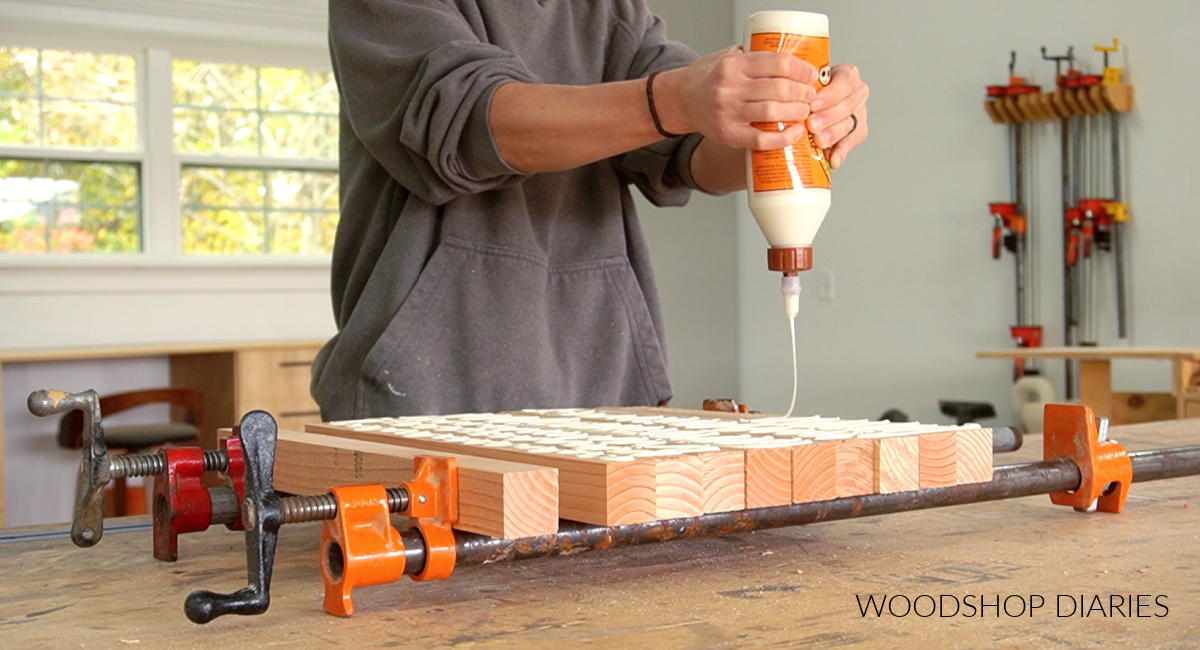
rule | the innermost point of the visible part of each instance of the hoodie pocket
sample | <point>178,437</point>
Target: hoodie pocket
<point>490,329</point>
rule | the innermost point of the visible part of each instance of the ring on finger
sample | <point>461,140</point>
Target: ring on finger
<point>853,123</point>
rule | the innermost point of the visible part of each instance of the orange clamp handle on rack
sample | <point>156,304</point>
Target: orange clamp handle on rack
<point>359,547</point>
<point>1071,431</point>
<point>433,505</point>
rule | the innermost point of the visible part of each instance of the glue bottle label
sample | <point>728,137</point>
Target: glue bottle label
<point>801,164</point>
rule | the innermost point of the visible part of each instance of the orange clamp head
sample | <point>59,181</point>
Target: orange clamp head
<point>433,505</point>
<point>1072,431</point>
<point>359,547</point>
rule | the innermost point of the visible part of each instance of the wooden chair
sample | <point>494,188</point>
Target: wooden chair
<point>137,438</point>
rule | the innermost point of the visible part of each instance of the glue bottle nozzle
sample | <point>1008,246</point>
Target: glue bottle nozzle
<point>791,294</point>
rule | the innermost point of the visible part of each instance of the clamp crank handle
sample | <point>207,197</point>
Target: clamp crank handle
<point>87,527</point>
<point>262,515</point>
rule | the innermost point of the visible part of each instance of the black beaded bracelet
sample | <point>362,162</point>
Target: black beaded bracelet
<point>653,111</point>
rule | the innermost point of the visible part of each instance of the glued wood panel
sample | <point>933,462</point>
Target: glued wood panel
<point>633,465</point>
<point>495,498</point>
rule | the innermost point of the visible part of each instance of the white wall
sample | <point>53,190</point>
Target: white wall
<point>694,248</point>
<point>907,238</point>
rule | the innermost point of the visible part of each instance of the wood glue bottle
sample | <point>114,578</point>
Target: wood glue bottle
<point>789,188</point>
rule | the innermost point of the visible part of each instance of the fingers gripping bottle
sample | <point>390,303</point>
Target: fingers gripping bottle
<point>789,188</point>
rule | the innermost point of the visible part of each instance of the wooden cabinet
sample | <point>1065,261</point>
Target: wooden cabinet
<point>276,380</point>
<point>234,377</point>
<point>272,378</point>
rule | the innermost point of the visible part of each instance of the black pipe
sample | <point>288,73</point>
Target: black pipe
<point>1162,464</point>
<point>1008,482</point>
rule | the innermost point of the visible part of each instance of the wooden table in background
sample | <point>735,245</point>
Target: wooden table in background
<point>794,587</point>
<point>234,378</point>
<point>1095,381</point>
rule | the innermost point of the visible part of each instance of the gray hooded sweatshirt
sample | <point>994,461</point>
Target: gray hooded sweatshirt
<point>459,283</point>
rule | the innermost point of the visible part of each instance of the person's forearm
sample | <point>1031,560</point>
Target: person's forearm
<point>545,127</point>
<point>718,169</point>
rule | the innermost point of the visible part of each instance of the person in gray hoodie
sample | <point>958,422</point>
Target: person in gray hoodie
<point>488,255</point>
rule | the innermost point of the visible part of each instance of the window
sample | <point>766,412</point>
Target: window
<point>60,112</point>
<point>252,158</point>
<point>274,115</point>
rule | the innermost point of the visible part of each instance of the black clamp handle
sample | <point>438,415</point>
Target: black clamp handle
<point>95,468</point>
<point>262,515</point>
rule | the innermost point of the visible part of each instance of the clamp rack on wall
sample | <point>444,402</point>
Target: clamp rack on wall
<point>1011,230</point>
<point>1094,215</point>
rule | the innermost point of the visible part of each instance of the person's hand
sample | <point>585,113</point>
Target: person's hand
<point>831,122</point>
<point>722,94</point>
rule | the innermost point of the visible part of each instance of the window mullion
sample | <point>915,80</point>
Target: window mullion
<point>160,168</point>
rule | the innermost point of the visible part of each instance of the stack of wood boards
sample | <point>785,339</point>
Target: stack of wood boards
<point>633,465</point>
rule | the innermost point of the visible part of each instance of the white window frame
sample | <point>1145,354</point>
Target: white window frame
<point>268,33</point>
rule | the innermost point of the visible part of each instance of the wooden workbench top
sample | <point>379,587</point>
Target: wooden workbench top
<point>796,587</point>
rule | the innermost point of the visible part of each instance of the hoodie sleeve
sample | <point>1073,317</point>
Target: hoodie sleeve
<point>661,171</point>
<point>416,84</point>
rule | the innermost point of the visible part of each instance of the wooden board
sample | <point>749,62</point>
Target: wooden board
<point>855,467</point>
<point>678,487</point>
<point>495,498</point>
<point>2,496</point>
<point>974,456</point>
<point>897,464</point>
<point>722,481</point>
<point>814,472</point>
<point>768,477</point>
<point>937,459</point>
<point>1091,353</point>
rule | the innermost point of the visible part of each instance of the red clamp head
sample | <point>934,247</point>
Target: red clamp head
<point>1072,218</point>
<point>725,405</point>
<point>181,502</point>
<point>1027,336</point>
<point>1072,431</point>
<point>235,473</point>
<point>1094,209</point>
